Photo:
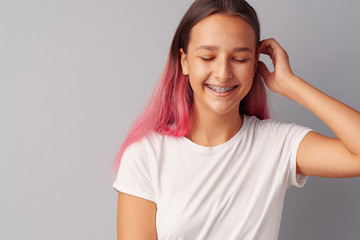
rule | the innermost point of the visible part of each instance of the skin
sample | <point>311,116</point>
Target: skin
<point>318,155</point>
<point>136,218</point>
<point>221,52</point>
<point>216,118</point>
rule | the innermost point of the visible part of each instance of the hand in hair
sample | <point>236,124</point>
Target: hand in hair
<point>317,155</point>
<point>282,73</point>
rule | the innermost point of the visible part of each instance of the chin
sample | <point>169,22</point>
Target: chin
<point>225,110</point>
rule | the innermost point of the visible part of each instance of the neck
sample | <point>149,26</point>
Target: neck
<point>214,129</point>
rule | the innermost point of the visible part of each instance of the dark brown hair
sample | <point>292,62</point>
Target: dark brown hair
<point>201,9</point>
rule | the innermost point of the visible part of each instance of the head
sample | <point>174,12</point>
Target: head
<point>198,11</point>
<point>220,64</point>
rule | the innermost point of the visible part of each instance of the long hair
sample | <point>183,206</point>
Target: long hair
<point>168,111</point>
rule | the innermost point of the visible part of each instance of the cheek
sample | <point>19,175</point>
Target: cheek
<point>198,72</point>
<point>245,72</point>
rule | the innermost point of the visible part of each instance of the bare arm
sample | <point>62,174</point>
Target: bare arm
<point>318,155</point>
<point>136,218</point>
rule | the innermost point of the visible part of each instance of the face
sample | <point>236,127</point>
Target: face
<point>220,62</point>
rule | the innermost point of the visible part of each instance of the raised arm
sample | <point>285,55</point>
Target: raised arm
<point>318,155</point>
<point>136,218</point>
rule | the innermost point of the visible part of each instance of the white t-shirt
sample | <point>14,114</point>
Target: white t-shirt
<point>231,191</point>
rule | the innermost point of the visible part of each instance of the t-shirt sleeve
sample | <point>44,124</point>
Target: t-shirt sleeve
<point>288,138</point>
<point>135,176</point>
<point>294,136</point>
<point>294,179</point>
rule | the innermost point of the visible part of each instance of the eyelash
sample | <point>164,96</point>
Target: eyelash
<point>209,59</point>
<point>242,61</point>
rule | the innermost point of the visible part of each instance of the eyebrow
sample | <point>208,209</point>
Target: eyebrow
<point>214,48</point>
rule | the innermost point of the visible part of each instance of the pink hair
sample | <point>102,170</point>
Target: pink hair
<point>169,110</point>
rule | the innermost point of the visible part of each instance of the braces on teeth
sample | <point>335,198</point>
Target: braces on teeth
<point>219,89</point>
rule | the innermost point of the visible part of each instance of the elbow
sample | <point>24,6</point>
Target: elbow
<point>356,166</point>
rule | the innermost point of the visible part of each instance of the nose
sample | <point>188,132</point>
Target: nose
<point>222,70</point>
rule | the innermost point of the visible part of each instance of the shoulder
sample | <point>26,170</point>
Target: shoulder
<point>255,121</point>
<point>273,127</point>
<point>263,125</point>
<point>144,142</point>
<point>152,142</point>
<point>138,154</point>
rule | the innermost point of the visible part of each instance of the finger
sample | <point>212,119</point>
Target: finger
<point>263,70</point>
<point>269,43</point>
<point>269,52</point>
<point>269,47</point>
<point>264,49</point>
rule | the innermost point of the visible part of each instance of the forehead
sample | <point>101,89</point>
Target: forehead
<point>222,31</point>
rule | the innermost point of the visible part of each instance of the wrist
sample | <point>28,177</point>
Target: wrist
<point>287,85</point>
<point>295,88</point>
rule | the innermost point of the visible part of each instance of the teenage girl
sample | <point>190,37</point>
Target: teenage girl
<point>203,161</point>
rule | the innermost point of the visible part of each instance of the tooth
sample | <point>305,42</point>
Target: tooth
<point>219,89</point>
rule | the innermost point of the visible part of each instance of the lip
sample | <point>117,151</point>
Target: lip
<point>220,86</point>
<point>220,94</point>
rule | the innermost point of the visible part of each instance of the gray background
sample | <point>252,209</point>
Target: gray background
<point>74,75</point>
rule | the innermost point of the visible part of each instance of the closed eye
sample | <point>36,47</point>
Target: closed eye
<point>241,60</point>
<point>206,59</point>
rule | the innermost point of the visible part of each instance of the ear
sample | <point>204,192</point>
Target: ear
<point>183,61</point>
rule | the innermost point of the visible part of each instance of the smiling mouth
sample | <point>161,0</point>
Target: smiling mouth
<point>220,89</point>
